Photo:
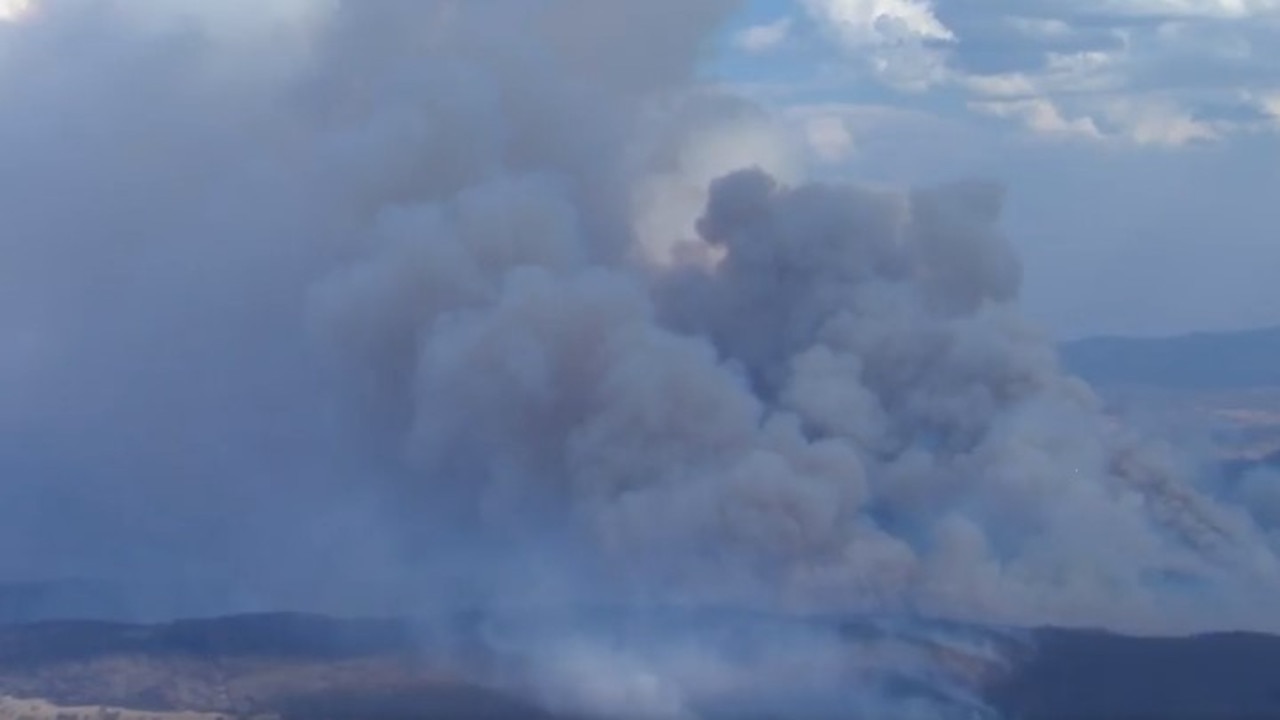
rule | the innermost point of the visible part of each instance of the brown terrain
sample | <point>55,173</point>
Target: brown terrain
<point>1225,384</point>
<point>1239,424</point>
<point>269,666</point>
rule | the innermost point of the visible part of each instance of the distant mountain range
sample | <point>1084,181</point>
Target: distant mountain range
<point>1198,361</point>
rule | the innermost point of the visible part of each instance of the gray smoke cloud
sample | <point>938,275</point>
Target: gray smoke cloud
<point>410,305</point>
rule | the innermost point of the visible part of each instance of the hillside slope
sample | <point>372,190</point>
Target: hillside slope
<point>1199,361</point>
<point>291,667</point>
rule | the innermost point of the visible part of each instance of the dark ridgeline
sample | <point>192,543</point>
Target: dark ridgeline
<point>306,667</point>
<point>1079,675</point>
<point>274,635</point>
<point>1198,361</point>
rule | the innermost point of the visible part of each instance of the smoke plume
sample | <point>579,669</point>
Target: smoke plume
<point>414,305</point>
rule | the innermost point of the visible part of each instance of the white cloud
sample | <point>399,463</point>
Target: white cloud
<point>1175,102</point>
<point>1157,122</point>
<point>1061,74</point>
<point>1078,63</point>
<point>1042,116</point>
<point>902,41</point>
<point>1191,8</point>
<point>879,143</point>
<point>1040,27</point>
<point>1002,84</point>
<point>765,37</point>
<point>829,137</point>
<point>1140,121</point>
<point>875,22</point>
<point>11,10</point>
<point>1269,103</point>
<point>1060,67</point>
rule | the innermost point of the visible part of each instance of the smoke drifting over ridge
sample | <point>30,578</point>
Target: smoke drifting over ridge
<point>388,305</point>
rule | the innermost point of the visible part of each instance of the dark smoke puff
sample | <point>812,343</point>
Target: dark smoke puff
<point>961,260</point>
<point>565,403</point>
<point>885,321</point>
<point>504,385</point>
<point>427,260</point>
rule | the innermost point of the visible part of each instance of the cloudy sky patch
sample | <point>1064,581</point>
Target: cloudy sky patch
<point>1047,65</point>
<point>1140,139</point>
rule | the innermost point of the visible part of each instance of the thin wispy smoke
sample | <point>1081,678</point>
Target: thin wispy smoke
<point>401,306</point>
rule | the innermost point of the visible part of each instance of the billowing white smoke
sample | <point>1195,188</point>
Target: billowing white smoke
<point>470,225</point>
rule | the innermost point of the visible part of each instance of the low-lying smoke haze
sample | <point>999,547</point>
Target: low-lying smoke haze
<point>400,305</point>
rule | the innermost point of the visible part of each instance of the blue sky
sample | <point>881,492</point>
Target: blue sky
<point>1139,139</point>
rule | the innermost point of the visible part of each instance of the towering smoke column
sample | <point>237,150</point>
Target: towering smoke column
<point>392,305</point>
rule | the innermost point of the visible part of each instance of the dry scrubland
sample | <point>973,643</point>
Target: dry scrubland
<point>276,666</point>
<point>19,709</point>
